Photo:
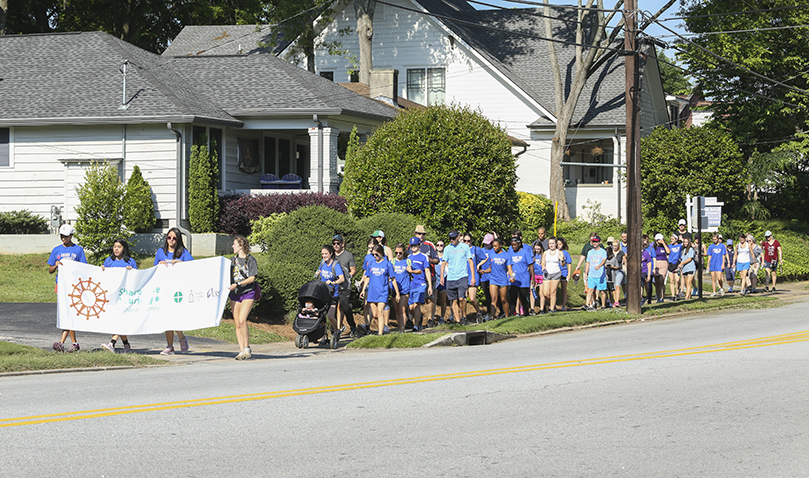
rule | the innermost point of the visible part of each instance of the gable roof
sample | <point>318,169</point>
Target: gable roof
<point>225,40</point>
<point>74,78</point>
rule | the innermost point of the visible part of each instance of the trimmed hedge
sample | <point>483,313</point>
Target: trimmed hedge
<point>22,222</point>
<point>398,228</point>
<point>236,211</point>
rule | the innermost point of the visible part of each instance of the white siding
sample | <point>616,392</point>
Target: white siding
<point>47,164</point>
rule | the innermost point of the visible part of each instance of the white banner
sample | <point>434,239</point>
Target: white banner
<point>185,296</point>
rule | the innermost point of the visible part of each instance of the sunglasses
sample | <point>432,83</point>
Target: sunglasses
<point>440,244</point>
<point>335,243</point>
<point>421,233</point>
<point>171,238</point>
<point>376,254</point>
<point>467,240</point>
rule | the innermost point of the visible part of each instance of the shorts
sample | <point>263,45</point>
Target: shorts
<point>618,278</point>
<point>742,266</point>
<point>597,283</point>
<point>344,299</point>
<point>660,267</point>
<point>730,274</point>
<point>771,265</point>
<point>553,276</point>
<point>418,295</point>
<point>673,267</point>
<point>456,289</point>
<point>252,294</point>
<point>689,273</point>
<point>537,279</point>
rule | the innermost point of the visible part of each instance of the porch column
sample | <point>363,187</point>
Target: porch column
<point>330,179</point>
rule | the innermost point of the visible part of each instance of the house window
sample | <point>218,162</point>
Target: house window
<point>278,156</point>
<point>590,172</point>
<point>354,76</point>
<point>5,150</point>
<point>426,86</point>
<point>329,75</point>
<point>212,138</point>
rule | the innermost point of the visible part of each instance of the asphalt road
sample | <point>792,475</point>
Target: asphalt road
<point>720,395</point>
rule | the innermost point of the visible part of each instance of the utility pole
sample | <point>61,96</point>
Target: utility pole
<point>633,212</point>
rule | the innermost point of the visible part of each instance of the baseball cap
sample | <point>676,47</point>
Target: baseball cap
<point>681,222</point>
<point>488,238</point>
<point>767,234</point>
<point>66,230</point>
<point>453,234</point>
<point>420,229</point>
<point>516,239</point>
<point>730,242</point>
<point>338,238</point>
<point>595,239</point>
<point>378,233</point>
<point>610,239</point>
<point>415,241</point>
<point>658,237</point>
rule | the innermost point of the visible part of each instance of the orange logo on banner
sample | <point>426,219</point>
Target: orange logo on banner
<point>88,298</point>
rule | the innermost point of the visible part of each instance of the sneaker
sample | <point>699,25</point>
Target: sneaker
<point>73,348</point>
<point>615,305</point>
<point>773,288</point>
<point>713,294</point>
<point>183,345</point>
<point>730,290</point>
<point>248,352</point>
<point>416,328</point>
<point>108,347</point>
<point>721,291</point>
<point>385,330</point>
<point>127,349</point>
<point>766,289</point>
<point>168,350</point>
<point>240,356</point>
<point>58,347</point>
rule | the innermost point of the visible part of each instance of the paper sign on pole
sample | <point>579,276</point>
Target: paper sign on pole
<point>184,296</point>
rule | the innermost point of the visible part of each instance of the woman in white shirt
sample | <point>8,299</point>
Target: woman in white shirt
<point>552,262</point>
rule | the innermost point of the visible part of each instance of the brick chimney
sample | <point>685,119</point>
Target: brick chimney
<point>385,85</point>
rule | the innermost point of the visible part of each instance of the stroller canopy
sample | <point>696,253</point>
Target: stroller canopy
<point>315,291</point>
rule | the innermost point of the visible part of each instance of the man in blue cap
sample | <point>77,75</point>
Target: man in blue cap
<point>457,261</point>
<point>421,284</point>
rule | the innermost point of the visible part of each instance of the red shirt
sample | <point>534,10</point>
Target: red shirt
<point>771,250</point>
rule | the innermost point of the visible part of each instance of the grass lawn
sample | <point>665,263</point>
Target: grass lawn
<point>18,358</point>
<point>25,278</point>
<point>394,341</point>
<point>227,332</point>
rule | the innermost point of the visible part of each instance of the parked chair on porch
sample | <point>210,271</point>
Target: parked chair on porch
<point>270,181</point>
<point>292,181</point>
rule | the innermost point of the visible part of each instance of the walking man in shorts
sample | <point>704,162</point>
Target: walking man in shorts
<point>346,261</point>
<point>773,257</point>
<point>457,261</point>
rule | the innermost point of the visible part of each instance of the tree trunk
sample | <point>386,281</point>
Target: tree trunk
<point>364,10</point>
<point>3,14</point>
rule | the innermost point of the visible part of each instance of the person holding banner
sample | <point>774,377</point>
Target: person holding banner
<point>67,251</point>
<point>244,290</point>
<point>172,252</point>
<point>120,258</point>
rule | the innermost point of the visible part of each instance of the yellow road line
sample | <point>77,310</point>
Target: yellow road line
<point>802,336</point>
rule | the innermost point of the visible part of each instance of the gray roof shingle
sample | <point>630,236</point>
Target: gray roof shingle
<point>225,40</point>
<point>74,78</point>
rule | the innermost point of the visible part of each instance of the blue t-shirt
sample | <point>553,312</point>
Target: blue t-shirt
<point>485,254</point>
<point>161,255</point>
<point>519,262</point>
<point>691,266</point>
<point>477,256</point>
<point>537,264</point>
<point>325,272</point>
<point>401,275</point>
<point>418,262</point>
<point>379,275</point>
<point>568,260</point>
<point>110,262</point>
<point>61,253</point>
<point>457,259</point>
<point>674,253</point>
<point>499,274</point>
<point>715,254</point>
<point>594,258</point>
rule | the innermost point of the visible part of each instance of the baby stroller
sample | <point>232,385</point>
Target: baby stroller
<point>310,323</point>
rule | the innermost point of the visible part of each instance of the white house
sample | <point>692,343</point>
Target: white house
<point>464,56</point>
<point>66,102</point>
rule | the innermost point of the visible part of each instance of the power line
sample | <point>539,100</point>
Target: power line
<point>533,14</point>
<point>752,30</point>
<point>486,27</point>
<point>565,7</point>
<point>708,15</point>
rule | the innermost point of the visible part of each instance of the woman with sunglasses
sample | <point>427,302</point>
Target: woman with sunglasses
<point>498,277</point>
<point>688,265</point>
<point>520,269</point>
<point>331,273</point>
<point>402,279</point>
<point>379,277</point>
<point>561,246</point>
<point>741,262</point>
<point>172,252</point>
<point>120,258</point>
<point>441,289</point>
<point>553,260</point>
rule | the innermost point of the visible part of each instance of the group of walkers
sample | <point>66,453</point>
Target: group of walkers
<point>515,279</point>
<point>244,289</point>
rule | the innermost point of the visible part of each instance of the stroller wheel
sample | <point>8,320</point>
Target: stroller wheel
<point>305,342</point>
<point>479,319</point>
<point>298,341</point>
<point>335,339</point>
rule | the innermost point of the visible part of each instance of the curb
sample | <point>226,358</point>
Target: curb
<point>66,370</point>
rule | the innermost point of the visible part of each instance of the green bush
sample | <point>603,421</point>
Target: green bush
<point>535,211</point>
<point>578,231</point>
<point>22,222</point>
<point>100,213</point>
<point>139,213</point>
<point>398,228</point>
<point>446,164</point>
<point>280,282</point>
<point>262,231</point>
<point>203,199</point>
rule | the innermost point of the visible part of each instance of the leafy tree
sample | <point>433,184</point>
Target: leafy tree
<point>138,206</point>
<point>788,180</point>
<point>446,164</point>
<point>100,213</point>
<point>700,161</point>
<point>302,22</point>
<point>203,198</point>
<point>758,112</point>
<point>675,80</point>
